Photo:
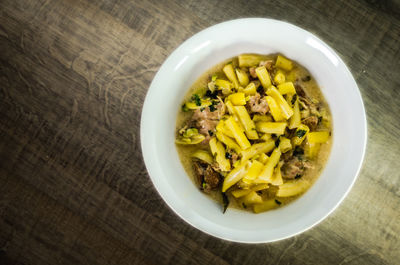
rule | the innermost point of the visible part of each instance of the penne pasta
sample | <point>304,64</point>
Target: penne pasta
<point>271,127</point>
<point>295,120</point>
<point>292,188</point>
<point>257,149</point>
<point>286,110</point>
<point>248,60</point>
<point>242,76</point>
<point>234,176</point>
<point>284,63</point>
<point>218,151</point>
<point>286,88</point>
<point>231,75</point>
<point>241,139</point>
<point>229,142</point>
<point>263,76</point>
<point>274,109</point>
<point>247,122</point>
<point>266,173</point>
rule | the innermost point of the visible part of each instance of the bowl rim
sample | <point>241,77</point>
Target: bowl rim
<point>146,153</point>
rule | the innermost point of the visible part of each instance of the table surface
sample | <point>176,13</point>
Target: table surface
<point>73,185</point>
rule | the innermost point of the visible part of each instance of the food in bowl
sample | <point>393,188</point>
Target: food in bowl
<point>254,132</point>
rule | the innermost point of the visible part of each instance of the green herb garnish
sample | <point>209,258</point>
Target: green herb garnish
<point>196,99</point>
<point>212,107</point>
<point>300,133</point>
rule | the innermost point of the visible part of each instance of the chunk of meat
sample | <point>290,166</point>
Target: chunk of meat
<point>206,113</point>
<point>206,120</point>
<point>294,167</point>
<point>206,126</point>
<point>252,72</point>
<point>299,89</point>
<point>256,104</point>
<point>269,64</point>
<point>233,157</point>
<point>311,122</point>
<point>207,177</point>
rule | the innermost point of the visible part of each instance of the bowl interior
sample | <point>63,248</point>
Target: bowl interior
<point>212,46</point>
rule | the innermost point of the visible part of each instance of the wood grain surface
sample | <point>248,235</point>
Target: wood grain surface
<point>73,185</point>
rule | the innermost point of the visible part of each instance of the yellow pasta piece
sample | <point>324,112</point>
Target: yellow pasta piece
<point>234,176</point>
<point>248,60</point>
<point>240,192</point>
<point>218,150</point>
<point>229,142</point>
<point>274,108</point>
<point>286,88</point>
<point>266,173</point>
<point>237,133</point>
<point>271,127</point>
<point>266,136</point>
<point>276,179</point>
<point>251,198</point>
<point>279,77</point>
<point>318,137</point>
<point>265,206</point>
<point>204,156</point>
<point>258,187</point>
<point>251,89</point>
<point>259,117</point>
<point>295,120</point>
<point>221,127</point>
<point>246,121</point>
<point>238,99</point>
<point>312,149</point>
<point>286,110</point>
<point>257,149</point>
<point>263,76</point>
<point>229,106</point>
<point>231,75</point>
<point>253,172</point>
<point>263,158</point>
<point>292,188</point>
<point>284,63</point>
<point>242,76</point>
<point>223,84</point>
<point>300,134</point>
<point>284,144</point>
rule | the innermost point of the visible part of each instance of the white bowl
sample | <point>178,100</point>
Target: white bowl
<point>211,46</point>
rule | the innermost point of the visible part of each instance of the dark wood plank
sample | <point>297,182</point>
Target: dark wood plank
<point>73,185</point>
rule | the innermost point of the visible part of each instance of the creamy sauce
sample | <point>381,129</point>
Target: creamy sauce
<point>312,90</point>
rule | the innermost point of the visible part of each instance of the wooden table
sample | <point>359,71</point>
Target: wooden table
<point>73,185</point>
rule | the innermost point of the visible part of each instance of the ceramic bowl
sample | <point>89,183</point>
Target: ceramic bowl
<point>201,52</point>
